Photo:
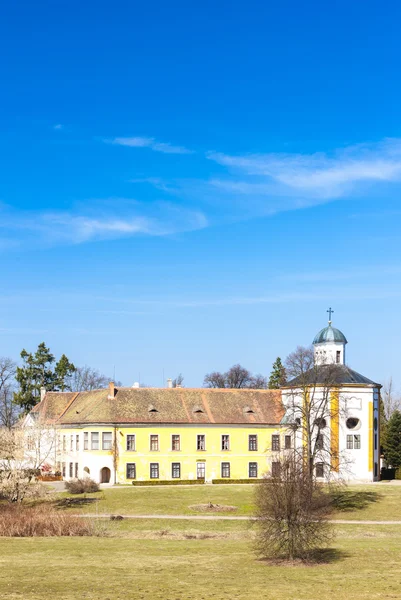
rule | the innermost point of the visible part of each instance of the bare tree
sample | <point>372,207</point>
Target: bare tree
<point>391,400</point>
<point>178,381</point>
<point>236,377</point>
<point>312,402</point>
<point>86,379</point>
<point>22,454</point>
<point>292,512</point>
<point>9,411</point>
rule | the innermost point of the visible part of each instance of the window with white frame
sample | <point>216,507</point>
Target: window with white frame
<point>95,440</point>
<point>154,443</point>
<point>201,442</point>
<point>225,442</point>
<point>276,468</point>
<point>131,443</point>
<point>154,470</point>
<point>76,470</point>
<point>175,442</point>
<point>253,442</point>
<point>77,442</point>
<point>71,443</point>
<point>176,470</point>
<point>225,469</point>
<point>319,469</point>
<point>63,469</point>
<point>253,469</point>
<point>353,442</point>
<point>275,442</point>
<point>131,471</point>
<point>86,440</point>
<point>288,442</point>
<point>107,440</point>
<point>200,470</point>
<point>71,469</point>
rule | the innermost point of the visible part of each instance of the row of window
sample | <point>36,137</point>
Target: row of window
<point>200,471</point>
<point>107,442</point>
<point>154,471</point>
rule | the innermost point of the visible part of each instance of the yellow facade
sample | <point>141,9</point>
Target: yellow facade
<point>164,451</point>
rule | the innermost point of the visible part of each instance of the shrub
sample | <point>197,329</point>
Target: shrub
<point>81,486</point>
<point>17,520</point>
<point>292,512</point>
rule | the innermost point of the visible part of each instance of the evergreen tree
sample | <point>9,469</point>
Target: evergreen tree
<point>37,371</point>
<point>63,371</point>
<point>278,375</point>
<point>392,446</point>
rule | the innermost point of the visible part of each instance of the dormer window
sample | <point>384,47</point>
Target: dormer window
<point>248,410</point>
<point>197,410</point>
<point>152,409</point>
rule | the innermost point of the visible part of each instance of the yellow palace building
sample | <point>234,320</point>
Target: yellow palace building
<point>134,435</point>
<point>124,435</point>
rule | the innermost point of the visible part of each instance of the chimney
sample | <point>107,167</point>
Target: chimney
<point>136,384</point>
<point>169,383</point>
<point>42,393</point>
<point>112,391</point>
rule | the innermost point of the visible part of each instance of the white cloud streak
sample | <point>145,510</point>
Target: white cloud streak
<point>149,142</point>
<point>317,176</point>
<point>100,221</point>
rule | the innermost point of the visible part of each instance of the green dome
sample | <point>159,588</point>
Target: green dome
<point>330,334</point>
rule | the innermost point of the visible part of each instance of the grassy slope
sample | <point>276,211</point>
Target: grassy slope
<point>123,567</point>
<point>373,502</point>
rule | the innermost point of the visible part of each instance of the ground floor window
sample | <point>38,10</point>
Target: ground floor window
<point>63,469</point>
<point>176,470</point>
<point>225,469</point>
<point>276,469</point>
<point>200,470</point>
<point>253,469</point>
<point>76,470</point>
<point>154,470</point>
<point>319,470</point>
<point>131,471</point>
<point>71,469</point>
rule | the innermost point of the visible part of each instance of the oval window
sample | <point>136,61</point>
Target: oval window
<point>320,423</point>
<point>353,423</point>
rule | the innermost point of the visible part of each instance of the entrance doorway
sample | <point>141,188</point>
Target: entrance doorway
<point>200,470</point>
<point>105,475</point>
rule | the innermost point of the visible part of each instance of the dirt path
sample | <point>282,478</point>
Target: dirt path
<point>226,518</point>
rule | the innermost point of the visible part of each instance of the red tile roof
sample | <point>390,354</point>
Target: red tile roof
<point>164,405</point>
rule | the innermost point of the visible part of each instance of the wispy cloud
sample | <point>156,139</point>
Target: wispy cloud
<point>149,142</point>
<point>58,126</point>
<point>100,220</point>
<point>318,176</point>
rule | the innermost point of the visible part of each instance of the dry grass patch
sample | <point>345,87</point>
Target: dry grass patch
<point>209,507</point>
<point>17,520</point>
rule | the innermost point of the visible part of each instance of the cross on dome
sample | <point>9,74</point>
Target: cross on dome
<point>330,311</point>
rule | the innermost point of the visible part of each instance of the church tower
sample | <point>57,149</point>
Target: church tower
<point>329,345</point>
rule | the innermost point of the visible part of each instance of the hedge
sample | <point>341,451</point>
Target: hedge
<point>227,480</point>
<point>171,482</point>
<point>193,481</point>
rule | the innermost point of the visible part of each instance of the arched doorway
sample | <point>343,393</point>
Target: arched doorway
<point>105,475</point>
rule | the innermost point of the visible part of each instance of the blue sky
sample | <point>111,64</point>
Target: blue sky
<point>186,186</point>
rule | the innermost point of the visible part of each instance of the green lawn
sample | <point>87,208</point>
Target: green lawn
<point>170,566</point>
<point>372,502</point>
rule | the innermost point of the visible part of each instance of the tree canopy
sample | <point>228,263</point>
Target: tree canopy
<point>236,377</point>
<point>392,442</point>
<point>38,370</point>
